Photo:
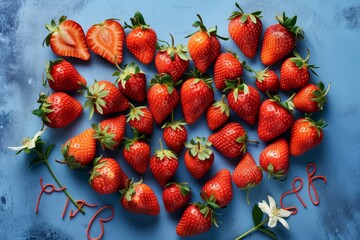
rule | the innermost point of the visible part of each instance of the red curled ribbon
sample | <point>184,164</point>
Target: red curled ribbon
<point>295,190</point>
<point>81,203</point>
<point>43,190</point>
<point>101,221</point>
<point>311,178</point>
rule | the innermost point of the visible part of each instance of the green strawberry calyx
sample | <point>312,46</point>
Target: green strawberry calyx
<point>184,188</point>
<point>197,76</point>
<point>243,140</point>
<point>288,104</point>
<point>128,142</point>
<point>44,108</point>
<point>279,175</point>
<point>53,27</point>
<point>208,207</point>
<point>95,95</point>
<point>301,63</point>
<point>210,32</point>
<point>319,125</point>
<point>129,191</point>
<point>136,113</point>
<point>259,75</point>
<point>48,66</point>
<point>69,159</point>
<point>320,94</point>
<point>164,153</point>
<point>244,16</point>
<point>105,137</point>
<point>137,21</point>
<point>235,87</point>
<point>175,124</point>
<point>180,49</point>
<point>97,165</point>
<point>200,148</point>
<point>224,108</point>
<point>123,75</point>
<point>289,24</point>
<point>164,79</point>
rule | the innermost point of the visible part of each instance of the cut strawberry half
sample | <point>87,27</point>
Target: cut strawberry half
<point>106,39</point>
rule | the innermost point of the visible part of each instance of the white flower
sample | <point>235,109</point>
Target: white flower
<point>29,143</point>
<point>275,214</point>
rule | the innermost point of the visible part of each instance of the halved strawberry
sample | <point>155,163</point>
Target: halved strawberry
<point>106,39</point>
<point>67,39</point>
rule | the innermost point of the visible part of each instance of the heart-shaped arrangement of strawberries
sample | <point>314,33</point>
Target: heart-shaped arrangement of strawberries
<point>142,101</point>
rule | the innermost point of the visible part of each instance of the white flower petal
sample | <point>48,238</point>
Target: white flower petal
<point>283,213</point>
<point>264,207</point>
<point>272,203</point>
<point>272,222</point>
<point>17,148</point>
<point>39,133</point>
<point>283,222</point>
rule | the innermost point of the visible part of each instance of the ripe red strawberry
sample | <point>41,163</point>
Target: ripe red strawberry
<point>227,67</point>
<point>141,119</point>
<point>280,39</point>
<point>105,98</point>
<point>107,39</point>
<point>198,157</point>
<point>175,135</point>
<point>107,176</point>
<point>305,135</point>
<point>58,109</point>
<point>230,140</point>
<point>131,82</point>
<point>265,80</point>
<point>311,98</point>
<point>141,41</point>
<point>110,132</point>
<point>275,160</point>
<point>275,117</point>
<point>247,174</point>
<point>245,30</point>
<point>172,60</point>
<point>196,96</point>
<point>175,196</point>
<point>204,46</point>
<point>294,72</point>
<point>218,114</point>
<point>67,39</point>
<point>220,187</point>
<point>244,100</point>
<point>139,198</point>
<point>162,97</point>
<point>196,219</point>
<point>63,76</point>
<point>80,150</point>
<point>137,152</point>
<point>163,165</point>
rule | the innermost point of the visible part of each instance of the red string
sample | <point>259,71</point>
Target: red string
<point>295,190</point>
<point>65,208</point>
<point>311,177</point>
<point>43,190</point>
<point>101,221</point>
<point>80,203</point>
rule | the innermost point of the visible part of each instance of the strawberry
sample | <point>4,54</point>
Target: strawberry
<point>305,135</point>
<point>110,132</point>
<point>139,198</point>
<point>219,187</point>
<point>58,109</point>
<point>175,135</point>
<point>80,150</point>
<point>227,67</point>
<point>230,140</point>
<point>141,119</point>
<point>107,176</point>
<point>175,196</point>
<point>107,39</point>
<point>105,98</point>
<point>198,157</point>
<point>204,46</point>
<point>196,96</point>
<point>247,174</point>
<point>162,97</point>
<point>280,39</point>
<point>266,80</point>
<point>218,114</point>
<point>244,100</point>
<point>141,41</point>
<point>274,159</point>
<point>67,39</point>
<point>275,117</point>
<point>63,76</point>
<point>131,82</point>
<point>311,98</point>
<point>196,219</point>
<point>172,60</point>
<point>245,30</point>
<point>137,152</point>
<point>163,165</point>
<point>294,72</point>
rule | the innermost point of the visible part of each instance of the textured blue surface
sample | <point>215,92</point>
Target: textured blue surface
<point>332,30</point>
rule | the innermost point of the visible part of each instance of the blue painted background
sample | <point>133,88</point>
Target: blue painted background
<point>332,30</point>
